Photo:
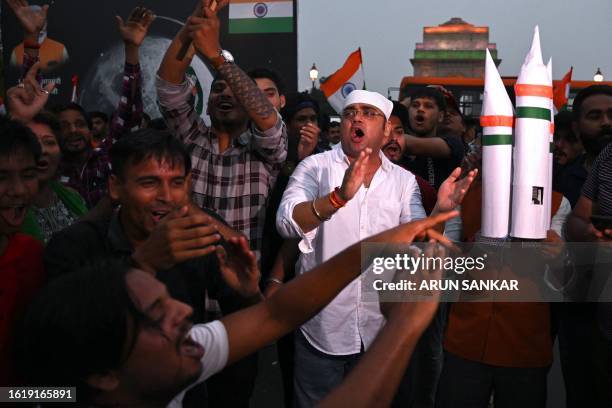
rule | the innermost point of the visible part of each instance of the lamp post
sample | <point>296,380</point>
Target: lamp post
<point>314,74</point>
<point>598,77</point>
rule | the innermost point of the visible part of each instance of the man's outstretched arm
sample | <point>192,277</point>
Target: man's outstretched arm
<point>250,329</point>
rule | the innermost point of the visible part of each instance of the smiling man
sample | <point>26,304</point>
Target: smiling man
<point>333,200</point>
<point>153,227</point>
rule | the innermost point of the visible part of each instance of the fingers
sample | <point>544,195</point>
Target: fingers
<point>196,243</point>
<point>434,220</point>
<point>33,71</point>
<point>192,233</point>
<point>45,10</point>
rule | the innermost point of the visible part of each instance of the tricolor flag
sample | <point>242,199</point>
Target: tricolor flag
<point>561,91</point>
<point>269,16</point>
<point>344,81</point>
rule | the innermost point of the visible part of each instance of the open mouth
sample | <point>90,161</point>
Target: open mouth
<point>158,215</point>
<point>13,216</point>
<point>190,348</point>
<point>392,148</point>
<point>419,120</point>
<point>357,135</point>
<point>42,165</point>
<point>225,106</point>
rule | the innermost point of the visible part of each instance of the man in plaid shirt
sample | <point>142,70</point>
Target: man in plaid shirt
<point>236,161</point>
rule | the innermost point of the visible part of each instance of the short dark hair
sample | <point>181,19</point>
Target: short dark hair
<point>75,107</point>
<point>99,115</point>
<point>268,74</point>
<point>296,102</point>
<point>429,93</point>
<point>401,112</point>
<point>563,127</point>
<point>143,144</point>
<point>79,325</point>
<point>333,124</point>
<point>49,119</point>
<point>587,92</point>
<point>16,137</point>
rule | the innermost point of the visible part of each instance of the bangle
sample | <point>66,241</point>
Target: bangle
<point>317,214</point>
<point>274,280</point>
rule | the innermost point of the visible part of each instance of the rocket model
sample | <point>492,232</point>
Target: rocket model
<point>496,120</point>
<point>524,212</point>
<point>534,94</point>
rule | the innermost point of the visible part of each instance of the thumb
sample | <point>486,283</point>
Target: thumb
<point>44,10</point>
<point>178,213</point>
<point>119,21</point>
<point>50,87</point>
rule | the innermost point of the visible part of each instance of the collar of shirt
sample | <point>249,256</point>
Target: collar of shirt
<point>340,157</point>
<point>241,141</point>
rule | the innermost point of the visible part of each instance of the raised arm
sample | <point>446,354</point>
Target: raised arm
<point>32,21</point>
<point>252,328</point>
<point>204,31</point>
<point>129,110</point>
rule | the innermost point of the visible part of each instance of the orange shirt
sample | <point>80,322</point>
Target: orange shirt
<point>496,333</point>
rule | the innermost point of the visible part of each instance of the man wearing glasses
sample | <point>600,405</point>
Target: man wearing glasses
<point>333,200</point>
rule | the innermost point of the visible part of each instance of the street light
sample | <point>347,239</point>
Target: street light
<point>314,74</point>
<point>598,77</point>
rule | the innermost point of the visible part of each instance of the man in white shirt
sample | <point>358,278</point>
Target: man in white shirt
<point>333,200</point>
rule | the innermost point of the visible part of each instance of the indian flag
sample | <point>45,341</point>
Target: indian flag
<point>561,91</point>
<point>270,16</point>
<point>344,81</point>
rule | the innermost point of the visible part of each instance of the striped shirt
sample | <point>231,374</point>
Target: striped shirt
<point>235,183</point>
<point>598,189</point>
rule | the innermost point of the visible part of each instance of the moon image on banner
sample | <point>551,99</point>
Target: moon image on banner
<point>101,87</point>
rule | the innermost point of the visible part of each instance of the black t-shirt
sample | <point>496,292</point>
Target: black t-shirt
<point>570,178</point>
<point>436,170</point>
<point>85,241</point>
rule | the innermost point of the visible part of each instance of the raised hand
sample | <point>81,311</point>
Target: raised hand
<point>32,21</point>
<point>309,137</point>
<point>203,29</point>
<point>177,238</point>
<point>355,175</point>
<point>134,30</point>
<point>238,266</point>
<point>452,191</point>
<point>25,100</point>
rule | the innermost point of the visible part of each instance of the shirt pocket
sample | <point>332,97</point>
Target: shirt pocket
<point>384,214</point>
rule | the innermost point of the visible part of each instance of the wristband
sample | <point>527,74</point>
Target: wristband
<point>336,200</point>
<point>316,213</point>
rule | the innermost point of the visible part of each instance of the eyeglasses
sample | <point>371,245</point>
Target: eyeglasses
<point>366,113</point>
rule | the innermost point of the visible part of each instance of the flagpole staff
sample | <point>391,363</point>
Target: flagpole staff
<point>314,74</point>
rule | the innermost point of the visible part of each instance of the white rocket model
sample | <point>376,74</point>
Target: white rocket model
<point>533,89</point>
<point>496,120</point>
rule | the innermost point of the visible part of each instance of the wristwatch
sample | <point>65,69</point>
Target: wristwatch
<point>224,57</point>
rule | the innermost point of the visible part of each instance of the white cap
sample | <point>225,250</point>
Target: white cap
<point>370,98</point>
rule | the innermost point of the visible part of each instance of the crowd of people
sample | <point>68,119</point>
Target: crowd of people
<point>146,262</point>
